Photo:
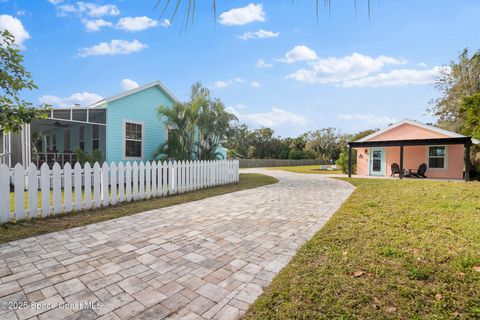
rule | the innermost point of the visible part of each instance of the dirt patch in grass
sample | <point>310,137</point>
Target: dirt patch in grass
<point>29,228</point>
<point>395,250</point>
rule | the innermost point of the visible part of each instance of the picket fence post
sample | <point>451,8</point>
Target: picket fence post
<point>135,180</point>
<point>141,192</point>
<point>67,187</point>
<point>5,215</point>
<point>113,183</point>
<point>57,188</point>
<point>96,185</point>
<point>121,182</point>
<point>154,179</point>
<point>77,173</point>
<point>45,188</point>
<point>32,191</point>
<point>148,181</point>
<point>87,171</point>
<point>128,182</point>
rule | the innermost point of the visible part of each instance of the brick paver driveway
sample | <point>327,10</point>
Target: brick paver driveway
<point>204,259</point>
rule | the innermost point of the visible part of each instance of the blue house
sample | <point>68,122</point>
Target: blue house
<point>123,127</point>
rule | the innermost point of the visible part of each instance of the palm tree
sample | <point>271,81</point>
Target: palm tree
<point>177,145</point>
<point>196,128</point>
<point>191,4</point>
<point>215,125</point>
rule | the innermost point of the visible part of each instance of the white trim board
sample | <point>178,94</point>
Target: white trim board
<point>157,83</point>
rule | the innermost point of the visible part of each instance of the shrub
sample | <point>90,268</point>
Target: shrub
<point>295,154</point>
<point>342,161</point>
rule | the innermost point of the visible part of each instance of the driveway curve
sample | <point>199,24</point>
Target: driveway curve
<point>207,259</point>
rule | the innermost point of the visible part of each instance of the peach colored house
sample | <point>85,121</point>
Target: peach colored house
<point>409,144</point>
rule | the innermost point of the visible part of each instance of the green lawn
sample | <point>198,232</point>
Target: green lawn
<point>395,250</point>
<point>24,229</point>
<point>306,169</point>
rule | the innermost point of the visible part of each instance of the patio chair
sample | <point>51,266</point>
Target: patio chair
<point>419,173</point>
<point>395,169</point>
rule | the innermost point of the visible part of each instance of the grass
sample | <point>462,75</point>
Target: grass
<point>33,227</point>
<point>315,169</point>
<point>394,250</point>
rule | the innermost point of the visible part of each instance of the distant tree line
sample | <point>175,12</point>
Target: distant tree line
<point>323,144</point>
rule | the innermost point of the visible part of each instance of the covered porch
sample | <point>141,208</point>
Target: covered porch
<point>447,157</point>
<point>56,138</point>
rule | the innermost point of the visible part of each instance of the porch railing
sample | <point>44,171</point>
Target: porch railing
<point>5,158</point>
<point>54,157</point>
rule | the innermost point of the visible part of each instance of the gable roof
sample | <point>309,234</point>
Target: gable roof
<point>138,89</point>
<point>449,134</point>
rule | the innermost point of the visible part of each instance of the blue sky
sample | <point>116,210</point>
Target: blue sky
<point>270,61</point>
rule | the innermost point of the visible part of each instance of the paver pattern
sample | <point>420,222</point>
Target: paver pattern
<point>207,259</point>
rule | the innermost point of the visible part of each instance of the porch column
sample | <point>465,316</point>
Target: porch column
<point>349,161</point>
<point>401,162</point>
<point>467,161</point>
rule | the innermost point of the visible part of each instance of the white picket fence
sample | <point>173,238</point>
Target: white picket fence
<point>97,186</point>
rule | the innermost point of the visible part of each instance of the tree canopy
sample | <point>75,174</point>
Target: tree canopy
<point>14,111</point>
<point>456,83</point>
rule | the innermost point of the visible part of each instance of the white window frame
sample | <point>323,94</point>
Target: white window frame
<point>445,162</point>
<point>124,139</point>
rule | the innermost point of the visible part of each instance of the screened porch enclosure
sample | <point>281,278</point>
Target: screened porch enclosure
<point>57,137</point>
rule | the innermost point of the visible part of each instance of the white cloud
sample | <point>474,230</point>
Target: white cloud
<point>339,70</point>
<point>55,2</point>
<point>15,27</point>
<point>96,25</point>
<point>21,12</point>
<point>260,34</point>
<point>136,23</point>
<point>165,23</point>
<point>241,16</point>
<point>83,98</point>
<point>262,64</point>
<point>111,48</point>
<point>89,9</point>
<point>256,84</point>
<point>128,84</point>
<point>396,78</point>
<point>276,117</point>
<point>299,53</point>
<point>221,84</point>
<point>369,119</point>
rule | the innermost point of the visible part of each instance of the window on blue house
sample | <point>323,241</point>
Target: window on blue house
<point>133,140</point>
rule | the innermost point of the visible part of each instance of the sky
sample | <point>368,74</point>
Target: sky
<point>272,62</point>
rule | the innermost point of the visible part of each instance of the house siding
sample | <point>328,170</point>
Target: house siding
<point>140,107</point>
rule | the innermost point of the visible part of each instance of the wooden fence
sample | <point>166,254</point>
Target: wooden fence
<point>80,188</point>
<point>255,163</point>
